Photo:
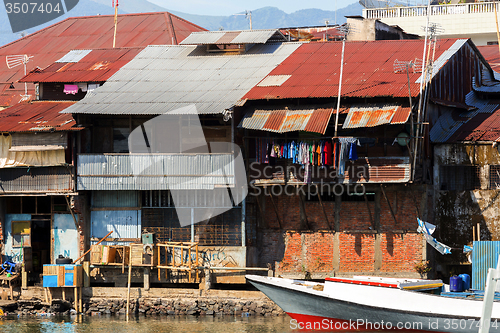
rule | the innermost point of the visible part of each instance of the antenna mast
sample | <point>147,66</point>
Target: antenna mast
<point>17,60</point>
<point>116,21</point>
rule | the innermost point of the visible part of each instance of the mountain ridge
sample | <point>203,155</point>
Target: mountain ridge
<point>262,18</point>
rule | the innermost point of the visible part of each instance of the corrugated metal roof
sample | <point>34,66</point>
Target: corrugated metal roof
<point>369,115</point>
<point>74,56</point>
<point>96,66</point>
<point>273,80</point>
<point>281,121</point>
<point>91,32</point>
<point>37,117</point>
<point>161,79</point>
<point>491,54</point>
<point>368,69</point>
<point>234,37</point>
<point>481,124</point>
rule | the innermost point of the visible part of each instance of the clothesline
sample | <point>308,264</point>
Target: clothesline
<point>309,153</point>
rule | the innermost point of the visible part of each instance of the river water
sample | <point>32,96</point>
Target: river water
<point>177,324</point>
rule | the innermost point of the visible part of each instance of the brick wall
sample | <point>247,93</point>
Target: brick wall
<point>316,216</point>
<point>400,252</point>
<point>403,204</point>
<point>289,212</point>
<point>360,245</point>
<point>357,252</point>
<point>319,251</point>
<point>355,215</point>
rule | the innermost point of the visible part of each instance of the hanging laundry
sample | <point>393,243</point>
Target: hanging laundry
<point>82,87</point>
<point>70,89</point>
<point>335,154</point>
<point>92,86</point>
<point>344,153</point>
<point>328,153</point>
<point>353,153</point>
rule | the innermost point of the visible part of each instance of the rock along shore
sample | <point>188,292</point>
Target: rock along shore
<point>202,306</point>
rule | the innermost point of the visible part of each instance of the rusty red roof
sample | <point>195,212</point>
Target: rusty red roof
<point>91,32</point>
<point>368,70</point>
<point>370,115</point>
<point>481,127</point>
<point>37,117</point>
<point>281,121</point>
<point>96,66</point>
<point>492,56</point>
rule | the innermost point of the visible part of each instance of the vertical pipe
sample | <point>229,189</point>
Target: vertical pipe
<point>116,23</point>
<point>424,78</point>
<point>129,280</point>
<point>243,218</point>
<point>192,225</point>
<point>340,86</point>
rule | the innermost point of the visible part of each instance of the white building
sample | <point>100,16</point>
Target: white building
<point>474,20</point>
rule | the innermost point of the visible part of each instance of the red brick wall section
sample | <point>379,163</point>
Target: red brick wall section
<point>401,252</point>
<point>292,258</point>
<point>403,205</point>
<point>357,252</point>
<point>319,251</point>
<point>316,216</point>
<point>288,209</point>
<point>355,215</point>
<point>313,250</point>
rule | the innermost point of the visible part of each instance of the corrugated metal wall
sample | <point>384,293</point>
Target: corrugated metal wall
<point>123,223</point>
<point>484,256</point>
<point>154,172</point>
<point>103,199</point>
<point>41,179</point>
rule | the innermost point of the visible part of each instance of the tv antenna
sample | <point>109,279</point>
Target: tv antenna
<point>345,30</point>
<point>248,15</point>
<point>15,61</point>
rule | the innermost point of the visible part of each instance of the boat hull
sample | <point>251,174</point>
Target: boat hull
<point>313,311</point>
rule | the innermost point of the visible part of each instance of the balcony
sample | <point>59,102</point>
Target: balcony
<point>154,171</point>
<point>366,170</point>
<point>458,20</point>
<point>37,180</point>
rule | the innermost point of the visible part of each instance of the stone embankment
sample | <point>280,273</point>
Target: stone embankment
<point>150,307</point>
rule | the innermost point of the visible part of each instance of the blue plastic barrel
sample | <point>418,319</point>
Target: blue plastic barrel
<point>456,284</point>
<point>465,281</point>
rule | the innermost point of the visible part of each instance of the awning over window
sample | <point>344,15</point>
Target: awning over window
<point>39,141</point>
<point>371,115</point>
<point>281,121</point>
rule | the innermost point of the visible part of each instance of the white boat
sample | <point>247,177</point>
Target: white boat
<point>365,303</point>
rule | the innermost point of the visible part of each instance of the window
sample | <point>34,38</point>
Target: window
<point>459,177</point>
<point>21,233</point>
<point>494,176</point>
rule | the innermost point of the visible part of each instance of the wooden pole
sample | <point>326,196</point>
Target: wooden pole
<point>116,23</point>
<point>76,298</point>
<point>369,210</point>
<point>129,282</point>
<point>72,214</point>
<point>496,20</point>
<point>276,211</point>
<point>323,207</point>
<point>99,242</point>
<point>388,203</point>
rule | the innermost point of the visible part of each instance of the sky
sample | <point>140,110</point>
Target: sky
<point>229,7</point>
